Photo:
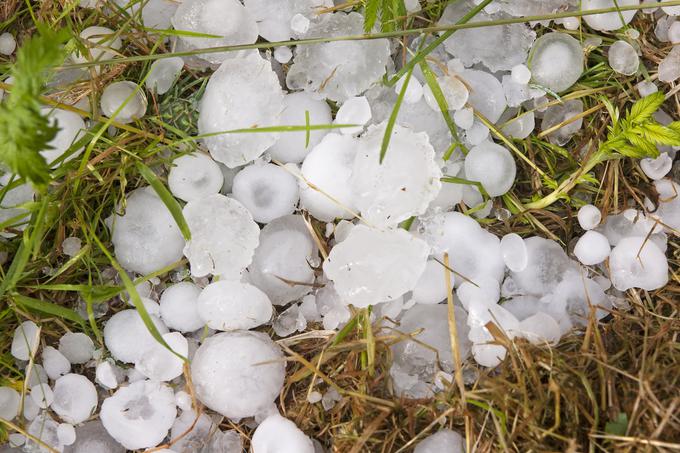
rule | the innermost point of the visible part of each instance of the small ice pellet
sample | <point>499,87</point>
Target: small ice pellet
<point>183,400</point>
<point>414,90</point>
<point>354,110</point>
<point>571,23</point>
<point>77,347</point>
<point>464,118</point>
<point>657,168</point>
<point>283,54</point>
<point>66,434</point>
<point>412,6</point>
<point>105,375</point>
<point>163,74</point>
<point>299,24</point>
<point>521,74</point>
<point>314,397</point>
<point>514,252</point>
<point>646,87</point>
<point>589,217</point>
<point>42,395</point>
<point>7,44</point>
<point>71,246</point>
<point>194,176</point>
<point>116,94</point>
<point>592,248</point>
<point>623,58</point>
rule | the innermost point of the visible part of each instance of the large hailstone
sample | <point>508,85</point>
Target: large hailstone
<point>232,305</point>
<point>486,93</point>
<point>315,67</point>
<point>71,129</point>
<point>238,374</point>
<point>608,21</point>
<point>178,307</point>
<point>403,185</point>
<point>281,264</point>
<point>194,176</point>
<point>159,364</point>
<point>139,415</point>
<point>637,262</point>
<point>280,435</point>
<point>266,190</point>
<point>243,93</point>
<point>227,19</point>
<point>327,169</point>
<point>223,236</point>
<point>493,166</point>
<point>556,61</point>
<point>373,266</point>
<point>126,336</point>
<point>146,238</point>
<point>75,398</point>
<point>444,440</point>
<point>274,19</point>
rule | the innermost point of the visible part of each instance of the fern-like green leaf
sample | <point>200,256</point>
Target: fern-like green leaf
<point>371,8</point>
<point>641,147</point>
<point>659,134</point>
<point>643,109</point>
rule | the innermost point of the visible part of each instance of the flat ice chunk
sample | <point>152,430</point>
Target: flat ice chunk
<point>9,403</point>
<point>163,74</point>
<point>92,437</point>
<point>281,264</point>
<point>521,126</point>
<point>568,115</point>
<point>159,364</point>
<point>556,61</point>
<point>126,336</point>
<point>75,398</point>
<point>608,21</point>
<point>266,190</point>
<point>638,263</point>
<point>42,395</point>
<point>373,266</point>
<point>486,93</point>
<point>623,58</point>
<point>328,168</point>
<point>294,146</point>
<point>589,216</point>
<point>232,305</point>
<point>25,341</point>
<point>228,19</point>
<point>493,166</point>
<point>145,237</point>
<point>194,176</point>
<point>274,19</point>
<point>139,415</point>
<point>315,67</point>
<point>250,362</point>
<point>123,101</point>
<point>280,435</point>
<point>107,374</point>
<point>657,168</point>
<point>431,286</point>
<point>403,185</point>
<point>71,129</point>
<point>514,252</point>
<point>592,248</point>
<point>54,363</point>
<point>223,236</point>
<point>354,110</point>
<point>444,440</point>
<point>178,307</point>
<point>243,93</point>
<point>546,265</point>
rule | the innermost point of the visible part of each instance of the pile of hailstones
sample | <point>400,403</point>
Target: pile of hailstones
<point>253,259</point>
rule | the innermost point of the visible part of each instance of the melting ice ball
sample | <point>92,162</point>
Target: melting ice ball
<point>243,93</point>
<point>252,365</point>
<point>589,217</point>
<point>101,43</point>
<point>493,166</point>
<point>280,435</point>
<point>126,336</point>
<point>266,190</point>
<point>232,305</point>
<point>163,74</point>
<point>592,248</point>
<point>623,58</point>
<point>668,210</point>
<point>373,266</point>
<point>556,61</point>
<point>159,364</point>
<point>123,101</point>
<point>608,21</point>
<point>146,238</point>
<point>444,440</point>
<point>658,167</point>
<point>223,236</point>
<point>194,176</point>
<point>75,398</point>
<point>637,262</point>
<point>178,307</point>
<point>486,93</point>
<point>431,287</point>
<point>71,129</point>
<point>514,252</point>
<point>546,265</point>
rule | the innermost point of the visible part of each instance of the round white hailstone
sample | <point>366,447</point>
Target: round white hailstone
<point>493,166</point>
<point>146,237</point>
<point>101,43</point>
<point>37,376</point>
<point>482,289</point>
<point>293,146</point>
<point>25,341</point>
<point>571,23</point>
<point>92,437</point>
<point>71,129</point>
<point>283,54</point>
<point>42,395</point>
<point>250,362</point>
<point>139,415</point>
<point>163,74</point>
<point>283,256</point>
<point>223,236</point>
<point>315,67</point>
<point>444,440</point>
<point>514,252</point>
<point>431,286</point>
<point>556,61</point>
<point>194,176</point>
<point>455,92</point>
<point>354,110</point>
<point>608,21</point>
<point>8,44</point>
<point>673,33</point>
<point>328,168</point>
<point>243,93</point>
<point>486,94</point>
<point>623,58</point>
<point>232,305</point>
<point>66,434</point>
<point>126,336</point>
<point>227,19</point>
<point>267,191</point>
<point>54,363</point>
<point>657,168</point>
<point>521,74</point>
<point>373,266</point>
<point>9,403</point>
<point>75,398</point>
<point>540,328</point>
<point>403,185</point>
<point>116,94</point>
<point>71,246</point>
<point>280,435</point>
<point>414,90</point>
<point>637,263</point>
<point>158,14</point>
<point>464,118</point>
<point>178,307</point>
<point>77,347</point>
<point>275,19</point>
<point>159,364</point>
<point>592,248</point>
<point>589,217</point>
<point>299,24</point>
<point>668,210</point>
<point>105,375</point>
<point>546,266</point>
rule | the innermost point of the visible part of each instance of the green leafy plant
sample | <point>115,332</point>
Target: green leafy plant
<point>24,131</point>
<point>391,13</point>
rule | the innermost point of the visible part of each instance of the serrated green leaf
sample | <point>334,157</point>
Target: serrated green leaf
<point>644,148</point>
<point>662,135</point>
<point>370,14</point>
<point>643,109</point>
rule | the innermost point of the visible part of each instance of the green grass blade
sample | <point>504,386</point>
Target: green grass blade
<point>48,308</point>
<point>393,116</point>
